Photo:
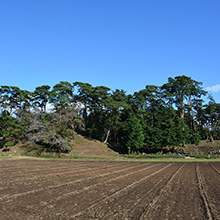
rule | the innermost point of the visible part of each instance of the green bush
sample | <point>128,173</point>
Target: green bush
<point>9,144</point>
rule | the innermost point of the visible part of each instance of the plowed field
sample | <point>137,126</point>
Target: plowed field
<point>61,189</point>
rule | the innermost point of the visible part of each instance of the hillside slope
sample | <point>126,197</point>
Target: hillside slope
<point>81,147</point>
<point>91,148</point>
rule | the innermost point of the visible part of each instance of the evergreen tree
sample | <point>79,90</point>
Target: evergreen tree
<point>41,97</point>
<point>114,105</point>
<point>61,96</point>
<point>133,137</point>
<point>10,130</point>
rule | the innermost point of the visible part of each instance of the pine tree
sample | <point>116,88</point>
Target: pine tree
<point>133,134</point>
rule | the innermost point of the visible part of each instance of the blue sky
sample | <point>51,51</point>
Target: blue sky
<point>124,44</point>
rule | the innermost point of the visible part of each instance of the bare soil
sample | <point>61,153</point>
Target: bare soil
<point>66,189</point>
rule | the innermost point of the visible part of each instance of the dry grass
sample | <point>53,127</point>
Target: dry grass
<point>204,146</point>
<point>86,147</point>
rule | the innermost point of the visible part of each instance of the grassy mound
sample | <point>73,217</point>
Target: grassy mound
<point>81,147</point>
<point>84,147</point>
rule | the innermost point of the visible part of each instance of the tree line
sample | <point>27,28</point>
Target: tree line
<point>155,117</point>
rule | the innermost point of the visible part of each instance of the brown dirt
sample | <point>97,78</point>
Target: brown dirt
<point>65,189</point>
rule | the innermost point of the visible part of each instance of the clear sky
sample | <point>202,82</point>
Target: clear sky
<point>124,44</point>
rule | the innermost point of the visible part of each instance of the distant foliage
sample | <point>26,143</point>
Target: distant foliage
<point>153,118</point>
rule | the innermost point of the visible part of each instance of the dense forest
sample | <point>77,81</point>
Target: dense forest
<point>173,114</point>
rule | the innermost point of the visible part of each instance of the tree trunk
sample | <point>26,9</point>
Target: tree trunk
<point>6,112</point>
<point>106,139</point>
<point>214,127</point>
<point>73,131</point>
<point>190,110</point>
<point>181,110</point>
<point>109,129</point>
<point>45,108</point>
<point>182,113</point>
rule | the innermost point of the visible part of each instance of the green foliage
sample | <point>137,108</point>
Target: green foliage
<point>9,144</point>
<point>155,117</point>
<point>61,95</point>
<point>195,139</point>
<point>133,137</point>
<point>10,129</point>
<point>41,97</point>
